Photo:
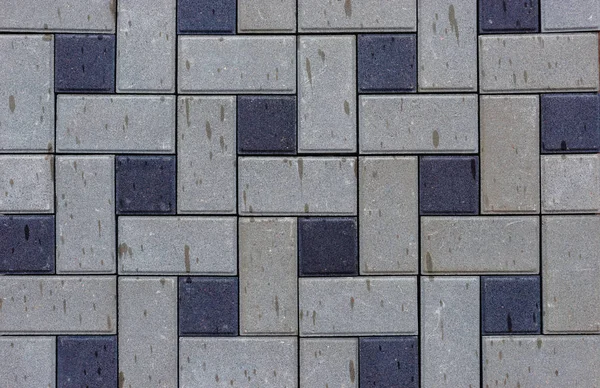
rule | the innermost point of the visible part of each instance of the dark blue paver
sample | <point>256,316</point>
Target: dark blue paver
<point>86,361</point>
<point>389,362</point>
<point>508,16</point>
<point>206,16</point>
<point>27,244</point>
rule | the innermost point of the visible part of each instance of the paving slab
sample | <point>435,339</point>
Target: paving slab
<point>508,16</point>
<point>570,15</point>
<point>28,361</point>
<point>329,362</point>
<point>206,16</point>
<point>389,361</point>
<point>86,361</point>
<point>27,244</point>
<point>272,16</point>
<point>28,184</point>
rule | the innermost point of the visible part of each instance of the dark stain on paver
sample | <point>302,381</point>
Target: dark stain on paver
<point>453,22</point>
<point>436,139</point>
<point>300,168</point>
<point>348,8</point>
<point>186,255</point>
<point>11,103</point>
<point>208,130</point>
<point>428,262</point>
<point>352,371</point>
<point>347,107</point>
<point>308,71</point>
<point>121,380</point>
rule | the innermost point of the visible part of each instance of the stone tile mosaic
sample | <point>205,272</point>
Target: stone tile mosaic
<point>299,193</point>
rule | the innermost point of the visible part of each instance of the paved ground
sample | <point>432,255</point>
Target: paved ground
<point>321,193</point>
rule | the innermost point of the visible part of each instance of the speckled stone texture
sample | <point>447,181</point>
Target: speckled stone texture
<point>89,361</point>
<point>206,16</point>
<point>389,362</point>
<point>26,244</point>
<point>508,16</point>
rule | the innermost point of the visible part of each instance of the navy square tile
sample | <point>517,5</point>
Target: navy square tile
<point>389,362</point>
<point>510,304</point>
<point>86,361</point>
<point>327,246</point>
<point>570,123</point>
<point>508,16</point>
<point>27,244</point>
<point>266,124</point>
<point>449,185</point>
<point>145,184</point>
<point>206,16</point>
<point>386,63</point>
<point>84,63</point>
<point>208,306</point>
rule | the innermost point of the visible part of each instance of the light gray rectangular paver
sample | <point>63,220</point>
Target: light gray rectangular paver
<point>249,362</point>
<point>329,362</point>
<point>85,214</point>
<point>259,16</point>
<point>146,40</point>
<point>541,361</point>
<point>147,332</point>
<point>237,64</point>
<point>58,305</point>
<point>296,186</point>
<point>570,15</point>
<point>389,215</point>
<point>327,94</point>
<point>27,362</point>
<point>450,332</point>
<point>26,184</point>
<point>58,15</point>
<point>570,273</point>
<point>178,245</point>
<point>510,154</point>
<point>480,245</point>
<point>447,45</point>
<point>418,124</point>
<point>26,92</point>
<point>268,276</point>
<point>206,154</point>
<point>117,123</point>
<point>358,306</point>
<point>570,183</point>
<point>357,15</point>
<point>534,63</point>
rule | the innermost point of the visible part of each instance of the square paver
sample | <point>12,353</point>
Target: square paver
<point>88,361</point>
<point>27,244</point>
<point>389,362</point>
<point>508,16</point>
<point>206,16</point>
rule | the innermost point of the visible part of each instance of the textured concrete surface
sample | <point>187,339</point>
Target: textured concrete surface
<point>28,361</point>
<point>508,16</point>
<point>329,362</point>
<point>570,15</point>
<point>389,361</point>
<point>86,361</point>
<point>27,244</point>
<point>27,183</point>
<point>266,16</point>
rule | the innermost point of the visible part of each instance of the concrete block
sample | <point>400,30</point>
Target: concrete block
<point>117,124</point>
<point>570,272</point>
<point>58,305</point>
<point>329,362</point>
<point>508,16</point>
<point>570,15</point>
<point>296,186</point>
<point>259,16</point>
<point>238,65</point>
<point>146,40</point>
<point>450,354</point>
<point>86,361</point>
<point>253,362</point>
<point>27,182</point>
<point>177,245</point>
<point>389,362</point>
<point>418,124</point>
<point>206,155</point>
<point>147,332</point>
<point>26,92</point>
<point>327,94</point>
<point>206,16</point>
<point>535,63</point>
<point>28,361</point>
<point>85,214</point>
<point>510,150</point>
<point>26,244</point>
<point>388,215</point>
<point>570,183</point>
<point>480,245</point>
<point>358,306</point>
<point>268,276</point>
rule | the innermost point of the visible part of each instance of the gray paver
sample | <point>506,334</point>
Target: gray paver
<point>450,332</point>
<point>117,123</point>
<point>538,63</point>
<point>26,184</point>
<point>58,16</point>
<point>363,16</point>
<point>480,245</point>
<point>418,124</point>
<point>570,183</point>
<point>249,362</point>
<point>238,64</point>
<point>389,215</point>
<point>570,272</point>
<point>147,332</point>
<point>296,186</point>
<point>327,94</point>
<point>85,214</point>
<point>329,362</point>
<point>548,361</point>
<point>27,361</point>
<point>266,16</point>
<point>447,39</point>
<point>146,40</point>
<point>178,245</point>
<point>206,155</point>
<point>27,93</point>
<point>570,15</point>
<point>58,305</point>
<point>358,306</point>
<point>268,276</point>
<point>510,150</point>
